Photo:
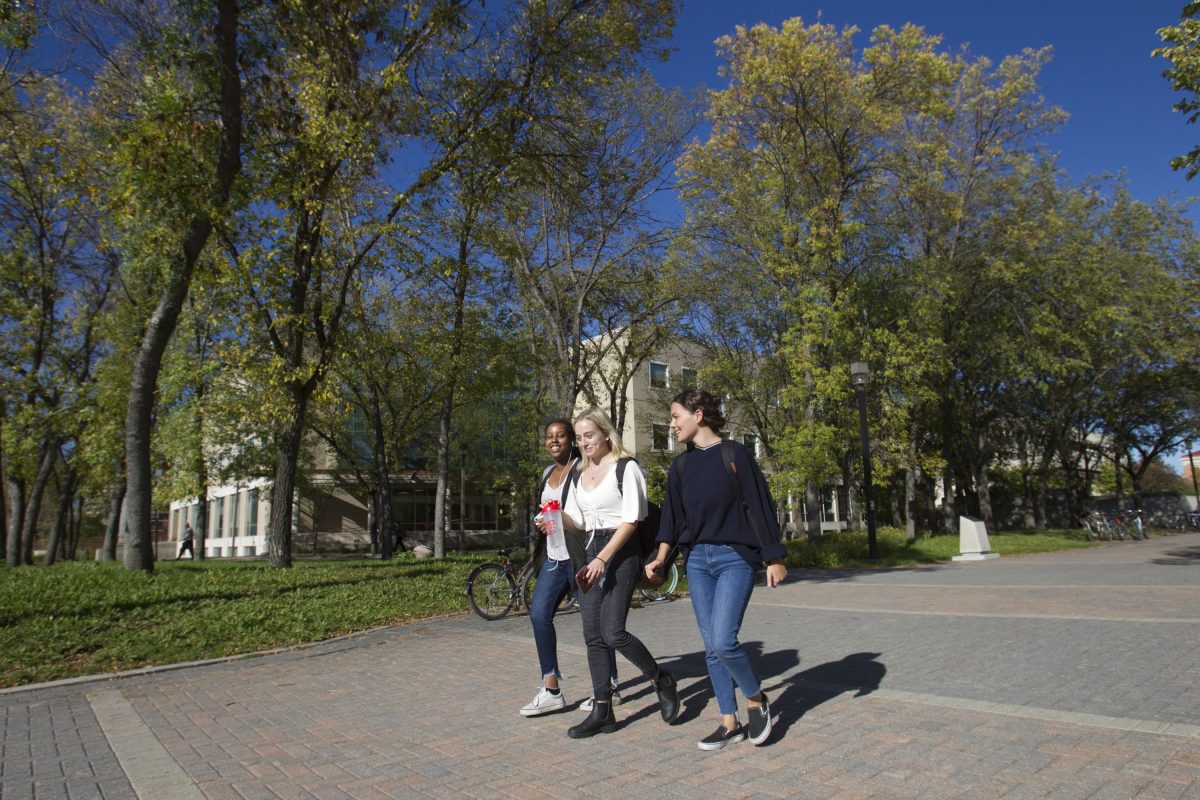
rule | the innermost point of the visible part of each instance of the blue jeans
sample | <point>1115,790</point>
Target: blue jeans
<point>554,579</point>
<point>720,582</point>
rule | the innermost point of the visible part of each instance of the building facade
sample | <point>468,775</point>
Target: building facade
<point>646,431</point>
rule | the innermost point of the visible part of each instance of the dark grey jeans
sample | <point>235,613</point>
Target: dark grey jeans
<point>605,607</point>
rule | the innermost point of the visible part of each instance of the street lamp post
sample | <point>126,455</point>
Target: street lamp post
<point>860,376</point>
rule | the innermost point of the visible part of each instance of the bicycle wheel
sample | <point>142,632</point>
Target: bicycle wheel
<point>491,590</point>
<point>667,588</point>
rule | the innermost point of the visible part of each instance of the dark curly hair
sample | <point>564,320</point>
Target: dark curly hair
<point>693,399</point>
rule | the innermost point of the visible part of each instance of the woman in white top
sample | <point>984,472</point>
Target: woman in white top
<point>555,573</point>
<point>607,515</point>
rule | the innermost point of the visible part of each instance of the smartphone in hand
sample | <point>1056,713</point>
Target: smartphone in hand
<point>581,578</point>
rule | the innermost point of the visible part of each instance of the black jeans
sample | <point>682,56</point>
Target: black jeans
<point>605,608</point>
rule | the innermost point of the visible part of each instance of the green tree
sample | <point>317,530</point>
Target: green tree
<point>56,279</point>
<point>169,109</point>
<point>1182,49</point>
<point>580,237</point>
<point>969,182</point>
<point>788,181</point>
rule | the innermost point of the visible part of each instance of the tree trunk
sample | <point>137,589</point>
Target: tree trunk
<point>383,472</point>
<point>62,512</point>
<point>200,529</point>
<point>76,528</point>
<point>985,495</point>
<point>373,523</point>
<point>3,497</point>
<point>1117,476</point>
<point>910,503</point>
<point>33,508</point>
<point>112,528</point>
<point>441,506</point>
<point>462,280</point>
<point>812,508</point>
<point>279,528</point>
<point>15,489</point>
<point>161,325</point>
<point>1027,498</point>
<point>979,474</point>
<point>855,513</point>
<point>949,502</point>
<point>1040,501</point>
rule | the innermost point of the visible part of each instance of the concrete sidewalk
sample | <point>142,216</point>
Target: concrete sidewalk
<point>1066,675</point>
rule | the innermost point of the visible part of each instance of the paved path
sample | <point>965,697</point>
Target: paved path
<point>1066,675</point>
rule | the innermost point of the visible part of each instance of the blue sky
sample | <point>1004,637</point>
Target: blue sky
<point>1102,73</point>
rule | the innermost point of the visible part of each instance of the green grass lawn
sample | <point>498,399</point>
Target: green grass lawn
<point>83,618</point>
<point>849,549</point>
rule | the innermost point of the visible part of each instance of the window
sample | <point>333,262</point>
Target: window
<point>252,512</point>
<point>751,442</point>
<point>218,518</point>
<point>658,375</point>
<point>660,437</point>
<point>232,502</point>
<point>690,378</point>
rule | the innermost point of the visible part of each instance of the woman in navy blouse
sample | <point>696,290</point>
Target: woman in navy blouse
<point>719,510</point>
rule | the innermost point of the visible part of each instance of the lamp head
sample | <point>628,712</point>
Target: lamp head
<point>860,374</point>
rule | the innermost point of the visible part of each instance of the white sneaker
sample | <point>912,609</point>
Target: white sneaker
<point>543,703</point>
<point>586,705</point>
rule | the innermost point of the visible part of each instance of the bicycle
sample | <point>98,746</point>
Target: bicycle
<point>1096,527</point>
<point>495,588</point>
<point>1135,526</point>
<point>1188,521</point>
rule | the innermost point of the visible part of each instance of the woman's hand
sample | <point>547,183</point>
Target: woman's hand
<point>776,572</point>
<point>653,567</point>
<point>596,569</point>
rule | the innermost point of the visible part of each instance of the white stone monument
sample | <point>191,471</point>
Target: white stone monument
<point>973,540</point>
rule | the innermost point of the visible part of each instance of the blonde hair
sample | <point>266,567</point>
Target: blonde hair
<point>598,418</point>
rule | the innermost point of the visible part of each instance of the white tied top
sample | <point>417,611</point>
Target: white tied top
<point>606,506</point>
<point>555,493</point>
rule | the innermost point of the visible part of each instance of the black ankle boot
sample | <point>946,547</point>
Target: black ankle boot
<point>601,720</point>
<point>668,696</point>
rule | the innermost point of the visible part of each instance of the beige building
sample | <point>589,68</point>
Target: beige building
<point>672,368</point>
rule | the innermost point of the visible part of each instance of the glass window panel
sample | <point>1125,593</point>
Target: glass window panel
<point>658,375</point>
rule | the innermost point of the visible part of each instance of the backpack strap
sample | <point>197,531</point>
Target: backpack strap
<point>572,477</point>
<point>621,464</point>
<point>727,455</point>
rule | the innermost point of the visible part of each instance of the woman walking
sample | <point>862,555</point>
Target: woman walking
<point>719,510</point>
<point>607,513</point>
<point>555,576</point>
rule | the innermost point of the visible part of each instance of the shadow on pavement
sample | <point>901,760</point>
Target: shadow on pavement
<point>1181,557</point>
<point>851,574</point>
<point>791,697</point>
<point>861,673</point>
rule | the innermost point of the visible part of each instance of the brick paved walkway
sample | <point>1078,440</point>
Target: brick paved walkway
<point>1065,675</point>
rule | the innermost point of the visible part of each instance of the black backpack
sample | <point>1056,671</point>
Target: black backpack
<point>647,529</point>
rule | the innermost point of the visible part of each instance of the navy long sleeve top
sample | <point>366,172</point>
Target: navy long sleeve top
<point>702,505</point>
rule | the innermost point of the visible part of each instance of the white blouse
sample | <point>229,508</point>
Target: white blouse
<point>606,506</point>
